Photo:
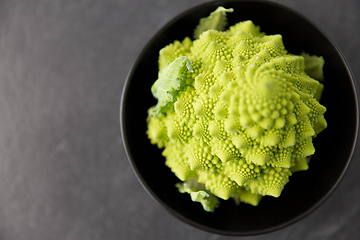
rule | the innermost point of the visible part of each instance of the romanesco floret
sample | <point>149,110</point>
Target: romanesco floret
<point>236,113</point>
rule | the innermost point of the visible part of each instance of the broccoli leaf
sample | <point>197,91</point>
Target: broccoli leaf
<point>216,21</point>
<point>314,66</point>
<point>247,197</point>
<point>172,79</point>
<point>199,194</point>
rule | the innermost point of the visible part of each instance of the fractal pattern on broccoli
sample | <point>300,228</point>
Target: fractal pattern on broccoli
<point>236,113</point>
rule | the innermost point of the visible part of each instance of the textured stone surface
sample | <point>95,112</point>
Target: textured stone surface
<point>63,170</point>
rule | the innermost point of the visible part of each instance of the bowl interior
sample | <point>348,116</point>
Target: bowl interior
<point>306,190</point>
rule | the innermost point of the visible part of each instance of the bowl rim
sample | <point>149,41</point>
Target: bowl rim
<point>147,187</point>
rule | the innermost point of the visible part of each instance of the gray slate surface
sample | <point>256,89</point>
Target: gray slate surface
<point>63,169</point>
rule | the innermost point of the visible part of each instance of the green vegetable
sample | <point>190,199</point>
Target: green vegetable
<point>236,113</point>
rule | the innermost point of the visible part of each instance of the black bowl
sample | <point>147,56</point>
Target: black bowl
<point>306,190</point>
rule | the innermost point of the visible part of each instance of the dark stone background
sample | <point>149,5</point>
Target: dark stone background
<point>63,169</point>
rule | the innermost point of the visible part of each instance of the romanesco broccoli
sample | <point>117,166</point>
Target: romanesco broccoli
<point>236,113</point>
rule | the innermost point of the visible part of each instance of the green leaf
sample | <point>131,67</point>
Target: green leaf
<point>172,79</point>
<point>314,66</point>
<point>215,21</point>
<point>198,193</point>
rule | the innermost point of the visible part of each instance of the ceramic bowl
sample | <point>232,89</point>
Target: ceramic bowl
<point>306,190</point>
